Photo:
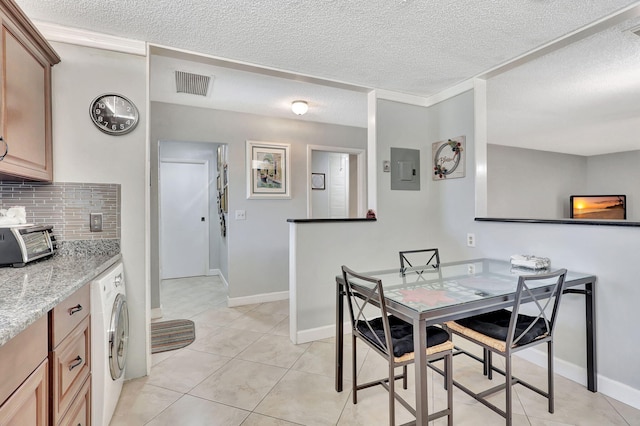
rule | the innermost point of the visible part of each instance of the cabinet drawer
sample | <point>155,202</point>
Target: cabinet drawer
<point>71,367</point>
<point>21,355</point>
<point>68,314</point>
<point>79,413</point>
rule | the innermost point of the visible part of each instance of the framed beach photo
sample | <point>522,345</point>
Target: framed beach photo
<point>598,207</point>
<point>268,170</point>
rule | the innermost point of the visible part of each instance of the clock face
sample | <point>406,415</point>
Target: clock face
<point>114,114</point>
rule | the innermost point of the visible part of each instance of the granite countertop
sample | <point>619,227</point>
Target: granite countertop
<point>28,293</point>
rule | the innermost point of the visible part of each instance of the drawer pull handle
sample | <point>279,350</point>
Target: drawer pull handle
<point>6,148</point>
<point>76,362</point>
<point>75,309</point>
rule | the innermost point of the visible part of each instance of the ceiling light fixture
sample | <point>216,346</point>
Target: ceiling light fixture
<point>299,107</point>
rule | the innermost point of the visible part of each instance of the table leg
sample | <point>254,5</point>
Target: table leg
<point>339,335</point>
<point>419,345</point>
<point>592,373</point>
<point>590,316</point>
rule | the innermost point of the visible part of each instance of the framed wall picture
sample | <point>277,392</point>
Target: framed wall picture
<point>448,158</point>
<point>268,170</point>
<point>317,181</point>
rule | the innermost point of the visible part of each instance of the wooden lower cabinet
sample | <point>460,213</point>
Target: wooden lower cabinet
<point>45,371</point>
<point>28,405</point>
<point>70,358</point>
<point>71,367</point>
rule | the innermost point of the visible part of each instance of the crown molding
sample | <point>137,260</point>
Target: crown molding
<point>59,33</point>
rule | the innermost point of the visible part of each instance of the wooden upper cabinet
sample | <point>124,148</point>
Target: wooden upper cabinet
<point>25,97</point>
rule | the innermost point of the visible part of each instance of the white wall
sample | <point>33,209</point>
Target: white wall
<point>82,153</point>
<point>528,183</point>
<point>617,173</point>
<point>258,247</point>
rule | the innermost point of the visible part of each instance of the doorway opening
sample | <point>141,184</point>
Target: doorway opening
<point>335,187</point>
<point>192,246</point>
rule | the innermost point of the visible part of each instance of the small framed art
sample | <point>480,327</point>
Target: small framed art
<point>268,170</point>
<point>317,181</point>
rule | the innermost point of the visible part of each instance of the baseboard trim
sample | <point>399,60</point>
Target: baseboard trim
<point>256,298</point>
<point>219,274</point>
<point>156,313</point>
<point>606,386</point>
<point>320,333</point>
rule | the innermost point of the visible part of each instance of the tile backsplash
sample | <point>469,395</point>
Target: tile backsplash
<point>67,206</point>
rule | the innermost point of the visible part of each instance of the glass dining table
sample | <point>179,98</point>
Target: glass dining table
<point>426,295</point>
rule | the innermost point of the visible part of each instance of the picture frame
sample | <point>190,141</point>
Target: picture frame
<point>317,181</point>
<point>448,158</point>
<point>268,170</point>
<point>588,207</point>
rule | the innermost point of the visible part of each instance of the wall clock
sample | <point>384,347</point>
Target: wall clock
<point>113,114</point>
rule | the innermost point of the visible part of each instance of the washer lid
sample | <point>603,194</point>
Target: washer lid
<point>118,336</point>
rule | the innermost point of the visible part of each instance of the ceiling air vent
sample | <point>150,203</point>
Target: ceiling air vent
<point>194,84</point>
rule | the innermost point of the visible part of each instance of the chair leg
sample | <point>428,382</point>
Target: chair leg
<point>508,389</point>
<point>353,369</point>
<point>404,377</point>
<point>448,371</point>
<point>489,356</point>
<point>448,375</point>
<point>550,377</point>
<point>392,395</point>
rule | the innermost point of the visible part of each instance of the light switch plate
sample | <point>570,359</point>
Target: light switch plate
<point>241,215</point>
<point>95,222</point>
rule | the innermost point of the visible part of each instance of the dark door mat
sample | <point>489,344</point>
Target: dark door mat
<point>171,335</point>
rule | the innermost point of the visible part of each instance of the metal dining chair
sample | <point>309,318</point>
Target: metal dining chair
<point>426,257</point>
<point>505,332</point>
<point>392,338</point>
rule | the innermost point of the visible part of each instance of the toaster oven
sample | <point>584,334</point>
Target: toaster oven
<point>21,244</point>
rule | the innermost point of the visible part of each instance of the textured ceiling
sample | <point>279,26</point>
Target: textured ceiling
<point>409,46</point>
<point>415,47</point>
<point>583,99</point>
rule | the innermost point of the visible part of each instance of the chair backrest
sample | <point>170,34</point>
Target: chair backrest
<point>365,299</point>
<point>422,257</point>
<point>542,308</point>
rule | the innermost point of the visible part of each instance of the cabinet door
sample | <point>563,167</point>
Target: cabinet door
<point>79,413</point>
<point>28,405</point>
<point>26,108</point>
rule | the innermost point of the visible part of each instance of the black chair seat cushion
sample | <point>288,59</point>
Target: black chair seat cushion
<point>401,334</point>
<point>496,324</point>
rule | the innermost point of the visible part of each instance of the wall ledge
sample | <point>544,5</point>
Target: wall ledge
<point>346,219</point>
<point>561,221</point>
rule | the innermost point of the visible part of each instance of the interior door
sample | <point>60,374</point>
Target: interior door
<point>184,231</point>
<point>338,185</point>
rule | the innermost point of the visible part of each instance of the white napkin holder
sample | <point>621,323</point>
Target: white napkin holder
<point>528,261</point>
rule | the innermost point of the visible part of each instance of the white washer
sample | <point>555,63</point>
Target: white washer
<point>109,341</point>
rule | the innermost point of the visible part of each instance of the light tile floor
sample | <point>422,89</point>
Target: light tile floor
<point>243,370</point>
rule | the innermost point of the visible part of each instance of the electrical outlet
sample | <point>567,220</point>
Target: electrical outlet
<point>471,269</point>
<point>241,215</point>
<point>471,240</point>
<point>95,222</point>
